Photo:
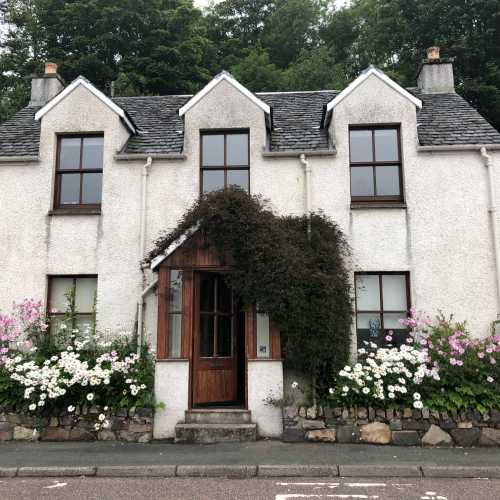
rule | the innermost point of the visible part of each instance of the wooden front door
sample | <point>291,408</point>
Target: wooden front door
<point>215,349</point>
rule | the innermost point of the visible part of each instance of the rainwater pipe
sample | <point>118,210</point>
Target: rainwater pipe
<point>307,172</point>
<point>142,248</point>
<point>488,163</point>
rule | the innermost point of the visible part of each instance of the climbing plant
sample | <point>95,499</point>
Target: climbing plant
<point>301,283</point>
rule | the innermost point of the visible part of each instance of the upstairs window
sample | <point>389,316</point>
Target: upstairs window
<point>382,299</point>
<point>79,172</point>
<point>225,160</point>
<point>375,160</point>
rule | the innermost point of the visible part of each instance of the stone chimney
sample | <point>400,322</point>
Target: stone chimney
<point>435,74</point>
<point>47,86</point>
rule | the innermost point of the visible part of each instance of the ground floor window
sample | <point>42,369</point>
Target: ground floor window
<point>73,296</point>
<point>175,314</point>
<point>382,299</point>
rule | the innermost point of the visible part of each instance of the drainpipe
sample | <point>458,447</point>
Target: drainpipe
<point>493,210</point>
<point>142,249</point>
<point>307,171</point>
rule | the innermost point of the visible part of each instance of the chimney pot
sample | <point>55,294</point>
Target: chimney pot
<point>50,68</point>
<point>433,53</point>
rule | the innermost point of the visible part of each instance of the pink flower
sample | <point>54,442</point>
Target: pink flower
<point>453,361</point>
<point>388,338</point>
<point>480,355</point>
<point>493,361</point>
<point>460,362</point>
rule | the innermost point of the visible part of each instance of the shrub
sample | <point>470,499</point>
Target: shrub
<point>440,367</point>
<point>44,377</point>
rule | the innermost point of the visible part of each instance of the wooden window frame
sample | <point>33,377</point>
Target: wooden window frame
<point>225,167</point>
<point>381,311</point>
<point>50,277</point>
<point>373,164</point>
<point>80,171</point>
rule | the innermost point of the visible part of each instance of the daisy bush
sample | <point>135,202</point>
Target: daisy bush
<point>440,367</point>
<point>45,376</point>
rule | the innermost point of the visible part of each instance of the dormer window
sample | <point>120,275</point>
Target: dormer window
<point>375,164</point>
<point>225,160</point>
<point>79,171</point>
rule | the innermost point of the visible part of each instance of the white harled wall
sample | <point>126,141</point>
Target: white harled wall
<point>443,237</point>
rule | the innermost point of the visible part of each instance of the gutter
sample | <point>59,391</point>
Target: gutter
<point>459,147</point>
<point>293,153</point>
<point>153,156</point>
<point>488,163</point>
<point>19,159</point>
<point>307,172</point>
<point>142,248</point>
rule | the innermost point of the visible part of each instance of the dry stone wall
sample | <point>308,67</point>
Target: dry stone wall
<point>407,427</point>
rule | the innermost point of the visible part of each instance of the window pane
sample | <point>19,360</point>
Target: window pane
<point>70,189</point>
<point>224,297</point>
<point>59,288</point>
<point>370,322</point>
<point>262,335</point>
<point>212,150</point>
<point>84,323</point>
<point>391,321</point>
<point>207,293</point>
<point>175,291</point>
<point>92,188</point>
<point>92,152</point>
<point>175,329</point>
<point>361,145</point>
<point>238,178</point>
<point>224,329</point>
<point>367,293</point>
<point>206,335</point>
<point>237,149</point>
<point>212,180</point>
<point>387,180</point>
<point>85,294</point>
<point>55,325</point>
<point>69,153</point>
<point>394,292</point>
<point>386,145</point>
<point>362,181</point>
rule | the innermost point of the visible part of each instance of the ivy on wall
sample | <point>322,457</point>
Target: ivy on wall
<point>302,284</point>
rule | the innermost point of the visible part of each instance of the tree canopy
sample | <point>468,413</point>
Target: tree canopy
<point>171,46</point>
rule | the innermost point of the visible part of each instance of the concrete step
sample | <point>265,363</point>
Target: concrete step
<point>215,433</point>
<point>218,416</point>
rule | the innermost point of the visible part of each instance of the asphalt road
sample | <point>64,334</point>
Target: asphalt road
<point>248,489</point>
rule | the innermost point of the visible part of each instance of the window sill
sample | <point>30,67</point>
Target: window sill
<point>75,211</point>
<point>375,204</point>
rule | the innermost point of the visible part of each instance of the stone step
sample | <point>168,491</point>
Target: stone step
<point>218,416</point>
<point>215,433</point>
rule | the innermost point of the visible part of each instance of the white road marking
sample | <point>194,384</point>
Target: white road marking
<point>308,484</point>
<point>57,485</point>
<point>365,485</point>
<point>300,495</point>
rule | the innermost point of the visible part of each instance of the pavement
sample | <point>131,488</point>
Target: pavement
<point>268,459</point>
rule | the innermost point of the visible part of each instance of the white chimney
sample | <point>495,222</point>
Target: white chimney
<point>435,74</point>
<point>47,86</point>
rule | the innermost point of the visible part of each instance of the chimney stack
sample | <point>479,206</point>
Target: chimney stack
<point>47,86</point>
<point>435,74</point>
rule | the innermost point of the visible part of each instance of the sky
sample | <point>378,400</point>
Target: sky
<point>204,3</point>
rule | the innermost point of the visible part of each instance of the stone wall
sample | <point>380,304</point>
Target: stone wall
<point>406,427</point>
<point>133,425</point>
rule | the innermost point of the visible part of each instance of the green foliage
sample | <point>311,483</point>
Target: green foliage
<point>303,285</point>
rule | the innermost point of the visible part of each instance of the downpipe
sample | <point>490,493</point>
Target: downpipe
<point>488,163</point>
<point>307,172</point>
<point>142,248</point>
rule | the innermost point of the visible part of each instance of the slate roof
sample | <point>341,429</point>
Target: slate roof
<point>445,119</point>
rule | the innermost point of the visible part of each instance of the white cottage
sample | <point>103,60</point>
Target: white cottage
<point>88,183</point>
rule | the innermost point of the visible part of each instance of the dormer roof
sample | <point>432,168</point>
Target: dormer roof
<point>221,77</point>
<point>83,82</point>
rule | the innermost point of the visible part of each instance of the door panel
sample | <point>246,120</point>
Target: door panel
<point>215,341</point>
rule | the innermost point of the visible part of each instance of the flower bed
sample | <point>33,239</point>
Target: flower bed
<point>71,383</point>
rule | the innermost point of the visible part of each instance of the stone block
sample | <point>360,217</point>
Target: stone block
<point>321,435</point>
<point>362,413</point>
<point>136,471</point>
<point>489,437</point>
<point>312,424</point>
<point>290,412</point>
<point>297,471</point>
<point>396,425</point>
<point>435,436</point>
<point>230,471</point>
<point>6,436</point>
<point>405,438</point>
<point>466,437</point>
<point>376,433</point>
<point>79,434</point>
<point>426,413</point>
<point>293,435</point>
<point>495,416</point>
<point>148,412</point>
<point>140,428</point>
<point>55,434</point>
<point>371,413</point>
<point>145,438</point>
<point>415,425</point>
<point>5,426</point>
<point>23,433</point>
<point>130,437</point>
<point>447,424</point>
<point>106,435</point>
<point>348,433</point>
